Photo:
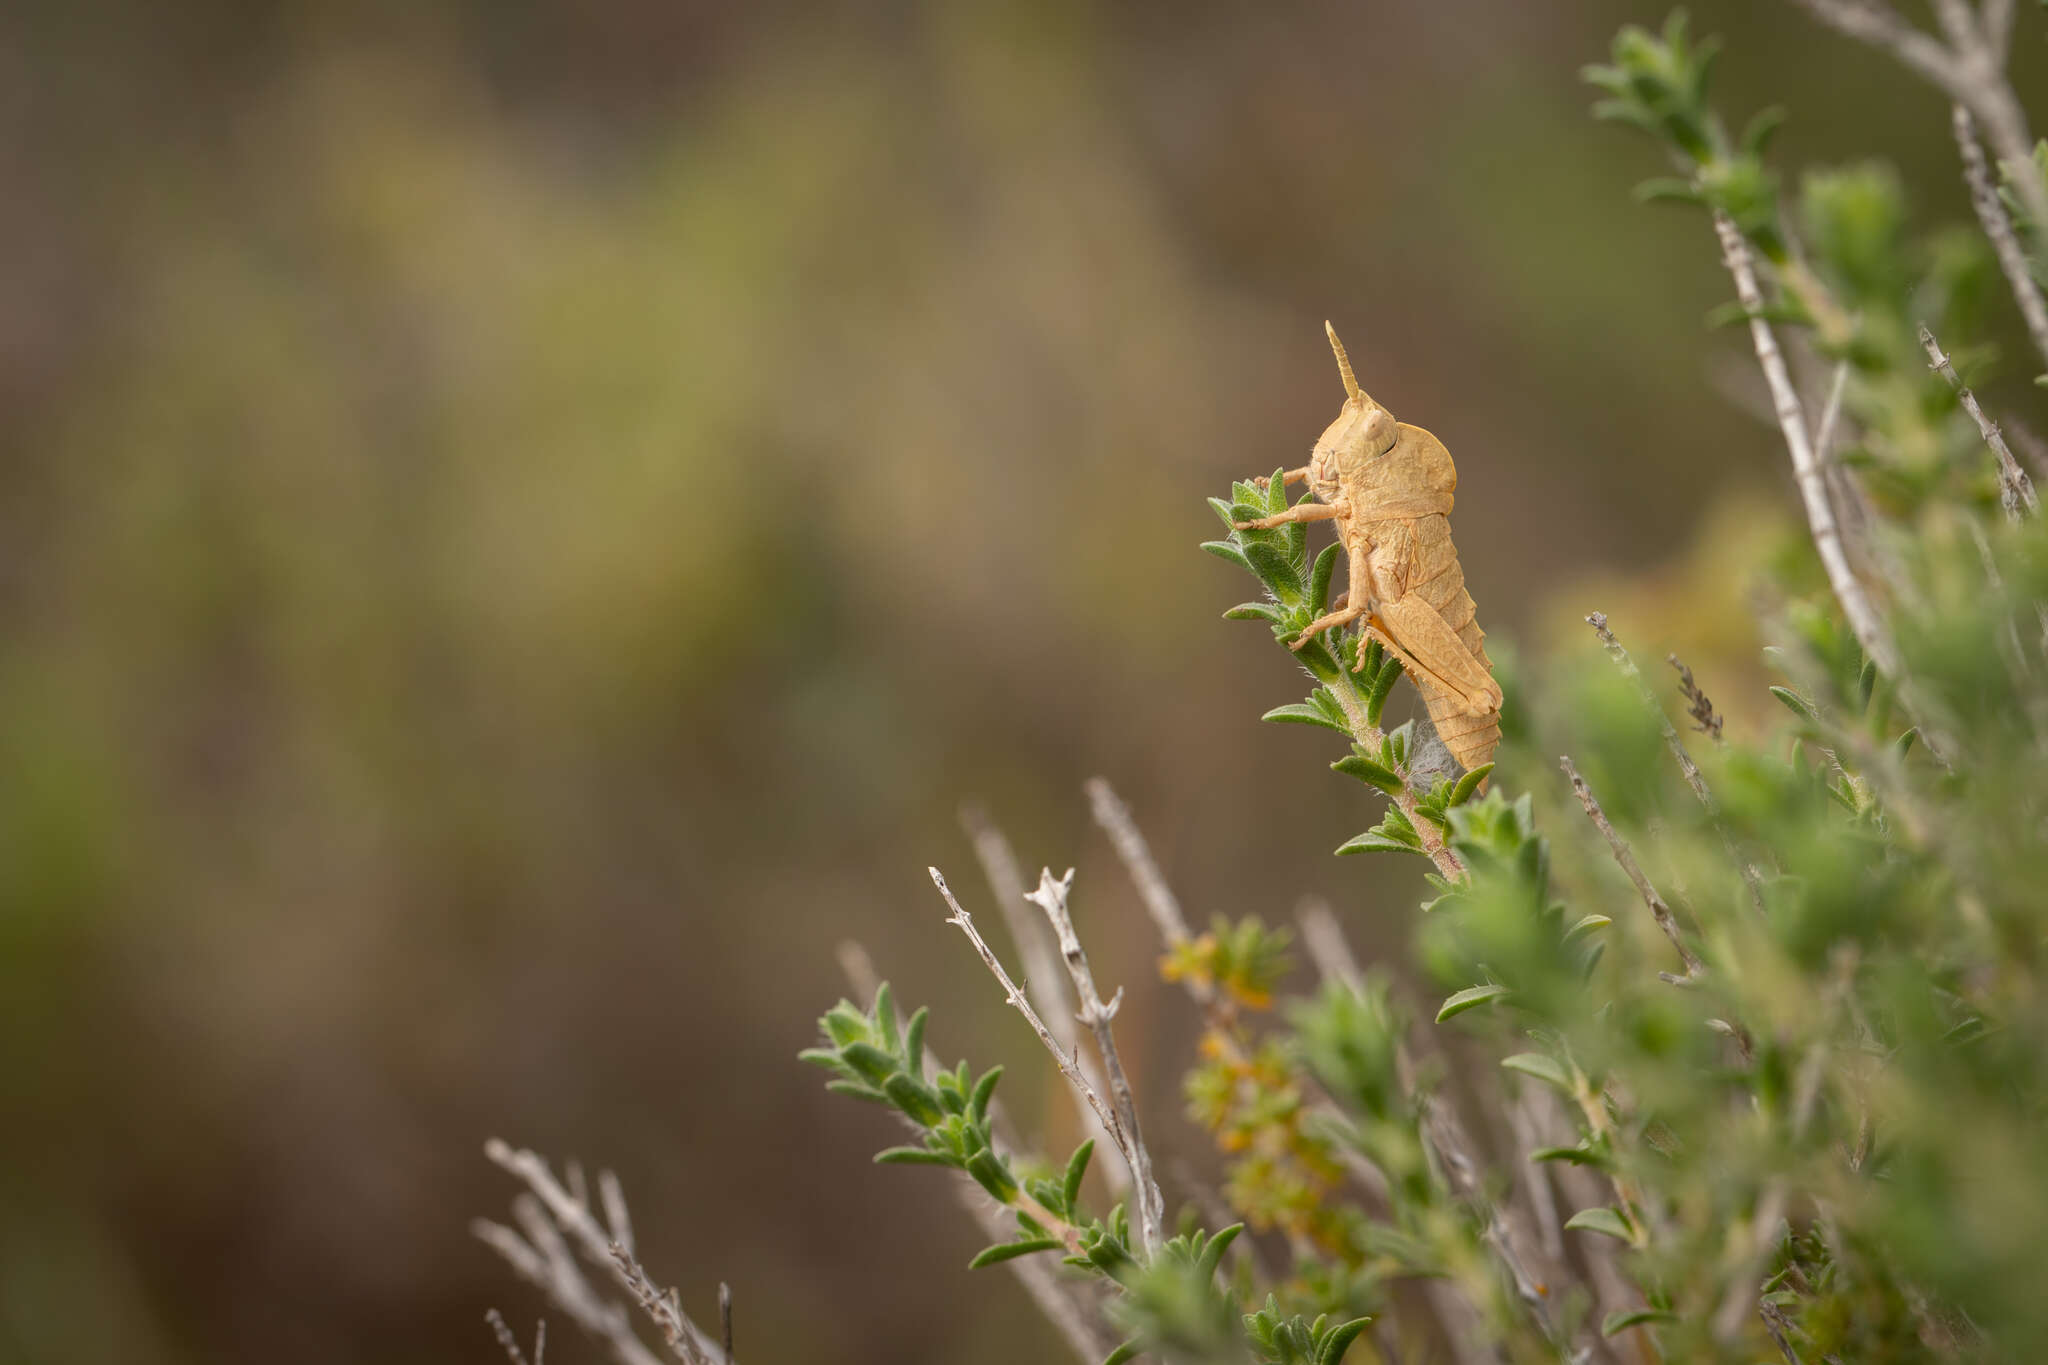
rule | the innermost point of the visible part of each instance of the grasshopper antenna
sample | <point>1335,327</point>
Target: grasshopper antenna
<point>1351,389</point>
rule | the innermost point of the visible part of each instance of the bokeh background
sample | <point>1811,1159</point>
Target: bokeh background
<point>523,522</point>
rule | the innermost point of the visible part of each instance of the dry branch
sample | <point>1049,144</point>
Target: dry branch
<point>1998,226</point>
<point>1013,994</point>
<point>1806,467</point>
<point>1693,777</point>
<point>1160,903</point>
<point>1659,910</point>
<point>2015,489</point>
<point>509,1343</point>
<point>1062,1301</point>
<point>1051,897</point>
<point>552,1212</point>
<point>1042,974</point>
<point>1970,70</point>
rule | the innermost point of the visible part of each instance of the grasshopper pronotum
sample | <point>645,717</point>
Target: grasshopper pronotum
<point>1388,487</point>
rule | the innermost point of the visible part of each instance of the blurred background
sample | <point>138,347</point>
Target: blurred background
<point>523,523</point>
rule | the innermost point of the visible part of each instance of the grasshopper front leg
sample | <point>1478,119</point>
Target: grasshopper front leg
<point>1292,476</point>
<point>1301,511</point>
<point>1355,603</point>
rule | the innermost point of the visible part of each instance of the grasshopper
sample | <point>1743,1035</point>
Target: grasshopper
<point>1388,487</point>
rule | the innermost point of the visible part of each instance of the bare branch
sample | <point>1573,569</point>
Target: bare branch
<point>1876,23</point>
<point>1659,911</point>
<point>1959,22</point>
<point>1014,995</point>
<point>1327,947</point>
<point>1115,819</point>
<point>1060,1300</point>
<point>2015,489</point>
<point>1831,414</point>
<point>510,1343</point>
<point>1693,777</point>
<point>1533,1175</point>
<point>1042,971</point>
<point>1051,897</point>
<point>615,1215</point>
<point>1997,17</point>
<point>1970,71</point>
<point>1997,224</point>
<point>663,1306</point>
<point>1777,1325</point>
<point>2031,445</point>
<point>548,1264</point>
<point>552,1212</point>
<point>1806,468</point>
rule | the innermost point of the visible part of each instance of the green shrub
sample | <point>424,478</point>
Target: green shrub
<point>1767,1008</point>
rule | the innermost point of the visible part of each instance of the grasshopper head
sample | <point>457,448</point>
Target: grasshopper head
<point>1362,431</point>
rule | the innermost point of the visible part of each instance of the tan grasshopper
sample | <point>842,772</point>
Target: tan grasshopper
<point>1388,487</point>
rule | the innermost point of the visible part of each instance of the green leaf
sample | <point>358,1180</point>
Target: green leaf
<point>1666,187</point>
<point>1577,1156</point>
<point>1302,713</point>
<point>1543,1068</point>
<point>1471,998</point>
<point>1010,1251</point>
<point>1382,685</point>
<point>913,1040</point>
<point>1275,569</point>
<point>1319,577</point>
<point>1394,747</point>
<point>1340,1339</point>
<point>977,1102</point>
<point>1467,784</point>
<point>1608,1222</point>
<point>857,1090</point>
<point>1258,611</point>
<point>1372,841</point>
<point>913,1156</point>
<point>1586,925</point>
<point>1122,1353</point>
<point>1224,549</point>
<point>844,1023</point>
<point>989,1172</point>
<point>1248,511</point>
<point>1369,772</point>
<point>885,1017</point>
<point>1795,703</point>
<point>1212,1254</point>
<point>1077,1167</point>
<point>914,1098</point>
<point>873,1064</point>
<point>1728,315</point>
<point>1756,135</point>
<point>1634,1317</point>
